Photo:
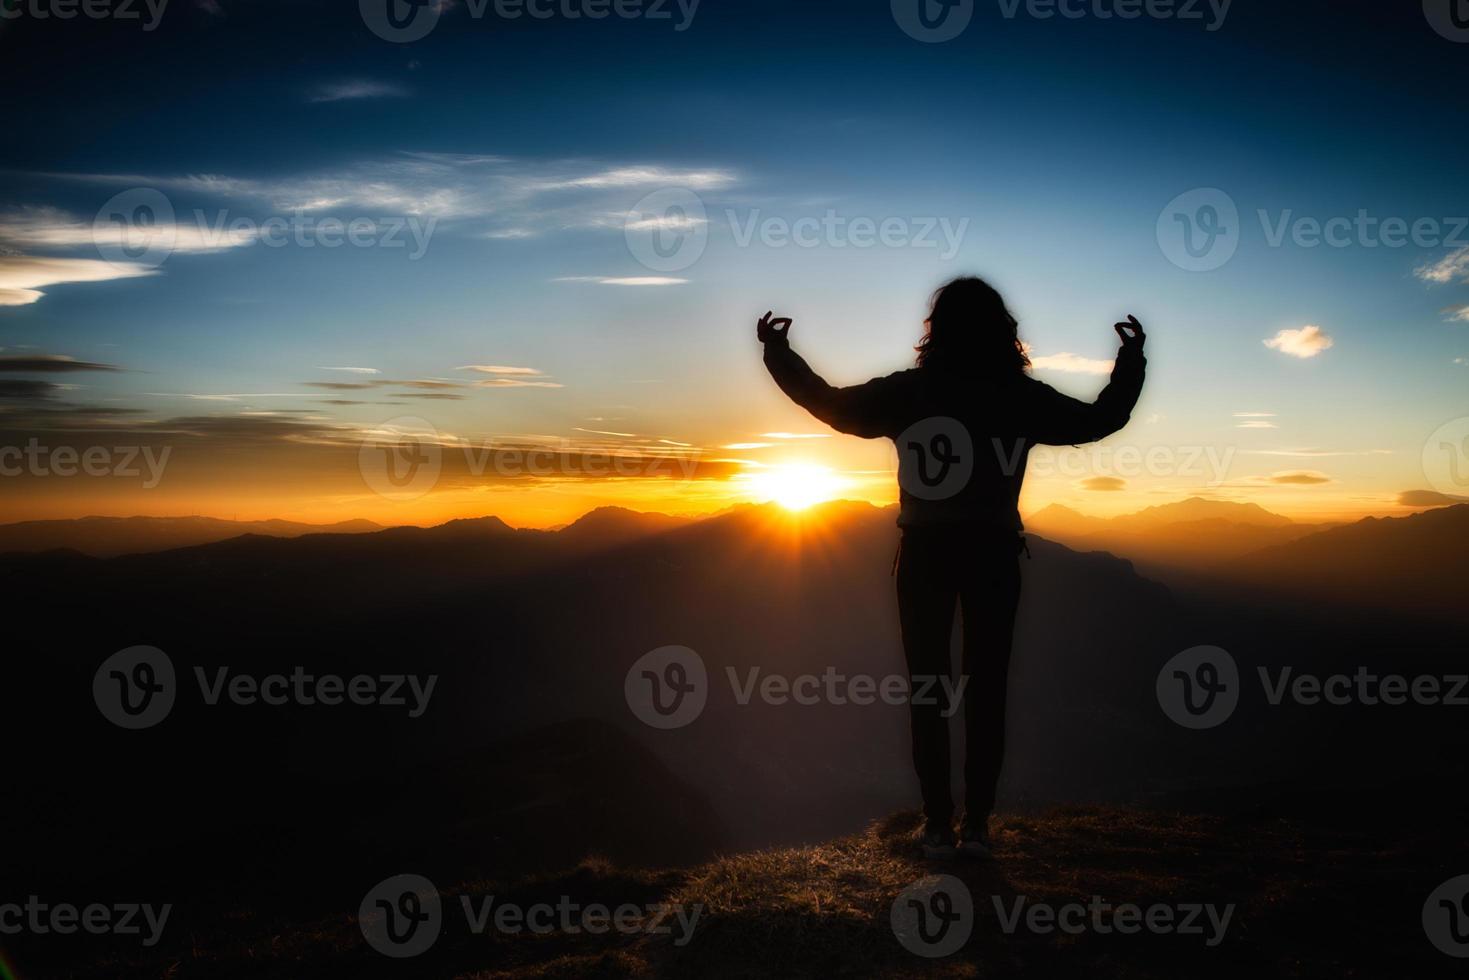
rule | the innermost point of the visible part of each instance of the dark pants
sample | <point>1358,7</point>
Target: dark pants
<point>938,567</point>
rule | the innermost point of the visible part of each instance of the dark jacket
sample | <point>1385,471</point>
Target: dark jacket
<point>998,422</point>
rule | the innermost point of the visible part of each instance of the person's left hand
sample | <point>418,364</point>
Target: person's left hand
<point>769,329</point>
<point>1137,338</point>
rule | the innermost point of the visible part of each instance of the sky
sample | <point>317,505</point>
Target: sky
<point>244,245</point>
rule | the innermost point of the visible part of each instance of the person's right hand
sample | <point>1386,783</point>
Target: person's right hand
<point>769,329</point>
<point>1137,338</point>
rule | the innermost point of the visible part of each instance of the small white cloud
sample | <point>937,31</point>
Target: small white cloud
<point>624,280</point>
<point>351,370</point>
<point>1299,478</point>
<point>1457,313</point>
<point>498,369</point>
<point>1254,415</point>
<point>1307,341</point>
<point>356,89</point>
<point>1453,266</point>
<point>1256,424</point>
<point>1071,363</point>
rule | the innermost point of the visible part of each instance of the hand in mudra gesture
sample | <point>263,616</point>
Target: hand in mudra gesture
<point>772,327</point>
<point>1131,332</point>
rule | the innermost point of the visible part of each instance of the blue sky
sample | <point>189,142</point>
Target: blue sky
<point>520,147</point>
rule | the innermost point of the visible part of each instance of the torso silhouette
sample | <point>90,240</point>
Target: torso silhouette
<point>969,473</point>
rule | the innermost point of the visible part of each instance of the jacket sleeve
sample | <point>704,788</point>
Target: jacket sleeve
<point>868,410</point>
<point>1059,420</point>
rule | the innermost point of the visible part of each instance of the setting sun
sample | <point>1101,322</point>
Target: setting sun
<point>795,486</point>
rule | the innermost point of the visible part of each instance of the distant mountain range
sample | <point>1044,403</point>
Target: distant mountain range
<point>106,537</point>
<point>1417,564</point>
<point>1192,534</point>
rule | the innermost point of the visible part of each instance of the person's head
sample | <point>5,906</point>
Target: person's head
<point>970,329</point>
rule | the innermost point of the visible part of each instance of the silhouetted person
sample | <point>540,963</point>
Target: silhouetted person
<point>965,420</point>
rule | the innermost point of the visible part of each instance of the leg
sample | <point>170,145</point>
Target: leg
<point>990,593</point>
<point>927,594</point>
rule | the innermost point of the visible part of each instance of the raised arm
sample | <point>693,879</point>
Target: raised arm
<point>868,410</point>
<point>1059,420</point>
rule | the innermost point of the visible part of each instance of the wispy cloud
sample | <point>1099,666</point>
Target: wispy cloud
<point>1106,484</point>
<point>1457,313</point>
<point>604,432</point>
<point>515,383</point>
<point>624,280</point>
<point>511,198</point>
<point>1453,266</point>
<point>1316,453</point>
<point>795,435</point>
<point>356,88</point>
<point>52,228</point>
<point>49,363</point>
<point>1307,341</point>
<point>352,370</point>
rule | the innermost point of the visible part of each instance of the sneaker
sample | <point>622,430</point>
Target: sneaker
<point>974,841</point>
<point>937,841</point>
